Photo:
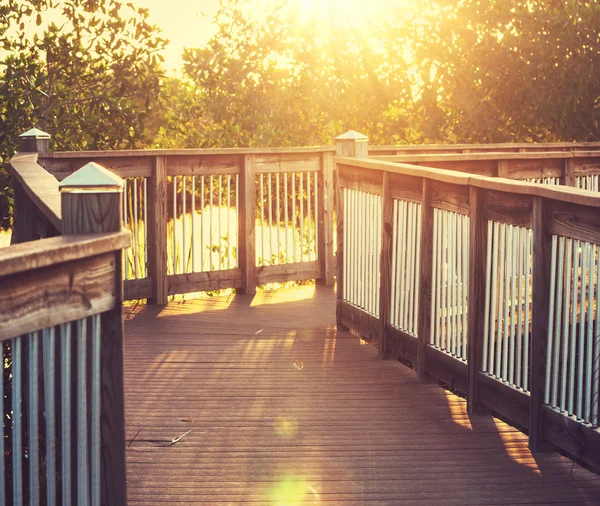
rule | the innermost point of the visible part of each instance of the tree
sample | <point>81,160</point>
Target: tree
<point>91,77</point>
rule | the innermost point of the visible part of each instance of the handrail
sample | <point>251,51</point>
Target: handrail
<point>40,186</point>
<point>488,155</point>
<point>483,147</point>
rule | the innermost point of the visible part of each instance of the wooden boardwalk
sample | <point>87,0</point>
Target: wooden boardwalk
<point>285,410</point>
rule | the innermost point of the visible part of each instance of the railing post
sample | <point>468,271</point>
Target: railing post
<point>541,269</point>
<point>425,280</point>
<point>569,168</point>
<point>355,145</point>
<point>247,226</point>
<point>157,231</point>
<point>26,217</point>
<point>385,285</point>
<point>92,203</point>
<point>476,298</point>
<point>325,219</point>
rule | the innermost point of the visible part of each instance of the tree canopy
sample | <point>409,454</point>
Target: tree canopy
<point>427,71</point>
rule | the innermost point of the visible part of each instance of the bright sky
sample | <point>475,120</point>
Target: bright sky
<point>189,23</point>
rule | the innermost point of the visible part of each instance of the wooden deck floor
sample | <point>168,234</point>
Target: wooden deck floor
<point>285,410</point>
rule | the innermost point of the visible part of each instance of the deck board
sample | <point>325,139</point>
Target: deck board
<point>284,409</point>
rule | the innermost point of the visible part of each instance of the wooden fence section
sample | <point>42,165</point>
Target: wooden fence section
<point>62,432</point>
<point>489,285</point>
<point>222,218</point>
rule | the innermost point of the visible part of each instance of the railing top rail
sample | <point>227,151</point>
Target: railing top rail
<point>184,152</point>
<point>489,155</point>
<point>561,193</point>
<point>46,252</point>
<point>40,186</point>
<point>501,145</point>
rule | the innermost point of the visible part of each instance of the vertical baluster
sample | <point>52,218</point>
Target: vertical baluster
<point>466,249</point>
<point>301,217</point>
<point>565,329</point>
<point>316,213</point>
<point>433,332</point>
<point>551,342</point>
<point>402,266</point>
<point>82,433</point>
<point>451,231</point>
<point>309,241</point>
<point>438,231</point>
<point>573,336</point>
<point>17,433</point>
<point>193,234</point>
<point>348,247</point>
<point>513,303</point>
<point>596,348</point>
<point>278,217</point>
<point>270,207</point>
<point>394,257</point>
<point>202,223</point>
<point>369,249</point>
<point>360,280</point>
<point>96,409</point>
<point>174,179</point>
<point>287,225</point>
<point>558,327</point>
<point>211,242</point>
<point>528,238</point>
<point>346,222</point>
<point>486,314</point>
<point>50,405</point>
<point>495,324</point>
<point>228,211</point>
<point>378,238</point>
<point>417,234</point>
<point>184,252</point>
<point>351,250</point>
<point>508,267</point>
<point>446,292</point>
<point>126,273</point>
<point>352,203</point>
<point>136,230</point>
<point>501,300</point>
<point>581,337</point>
<point>589,334</point>
<point>521,306</point>
<point>237,215</point>
<point>459,281</point>
<point>65,397</point>
<point>220,230</point>
<point>410,267</point>
<point>34,410</point>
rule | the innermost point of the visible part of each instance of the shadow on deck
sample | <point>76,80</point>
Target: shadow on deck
<point>284,409</point>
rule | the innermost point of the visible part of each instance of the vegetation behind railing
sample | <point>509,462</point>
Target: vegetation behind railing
<point>486,284</point>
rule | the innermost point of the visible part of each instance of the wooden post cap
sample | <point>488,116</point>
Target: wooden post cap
<point>353,144</point>
<point>92,201</point>
<point>34,141</point>
<point>92,178</point>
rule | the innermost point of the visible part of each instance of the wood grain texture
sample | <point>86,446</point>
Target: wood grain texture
<point>339,256</point>
<point>569,172</point>
<point>289,272</point>
<point>157,230</point>
<point>507,401</point>
<point>47,252</point>
<point>425,280</point>
<point>44,297</point>
<point>361,180</point>
<point>200,165</point>
<point>476,296</point>
<point>449,197</point>
<point>541,261</point>
<point>301,406</point>
<point>570,220</point>
<point>325,219</point>
<point>204,281</point>
<point>39,185</point>
<point>492,147</point>
<point>87,213</point>
<point>401,345</point>
<point>247,226</point>
<point>136,289</point>
<point>406,188</point>
<point>287,162</point>
<point>507,208</point>
<point>359,321</point>
<point>385,274</point>
<point>447,369</point>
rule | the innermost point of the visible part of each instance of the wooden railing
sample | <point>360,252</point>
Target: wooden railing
<point>225,218</point>
<point>62,436</point>
<point>487,284</point>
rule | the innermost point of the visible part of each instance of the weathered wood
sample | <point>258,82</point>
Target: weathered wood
<point>453,198</point>
<point>425,279</point>
<point>385,273</point>
<point>47,252</point>
<point>585,165</point>
<point>571,436</point>
<point>288,162</point>
<point>97,213</point>
<point>204,165</point>
<point>507,208</point>
<point>353,318</point>
<point>136,289</point>
<point>53,294</point>
<point>507,401</point>
<point>447,369</point>
<point>541,261</point>
<point>352,144</point>
<point>401,345</point>
<point>488,147</point>
<point>325,219</point>
<point>573,221</point>
<point>569,172</point>
<point>339,256</point>
<point>25,217</point>
<point>247,226</point>
<point>289,272</point>
<point>476,298</point>
<point>406,187</point>
<point>157,231</point>
<point>39,186</point>
<point>204,281</point>
<point>360,180</point>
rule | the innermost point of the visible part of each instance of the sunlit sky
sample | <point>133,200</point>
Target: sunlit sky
<point>190,23</point>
